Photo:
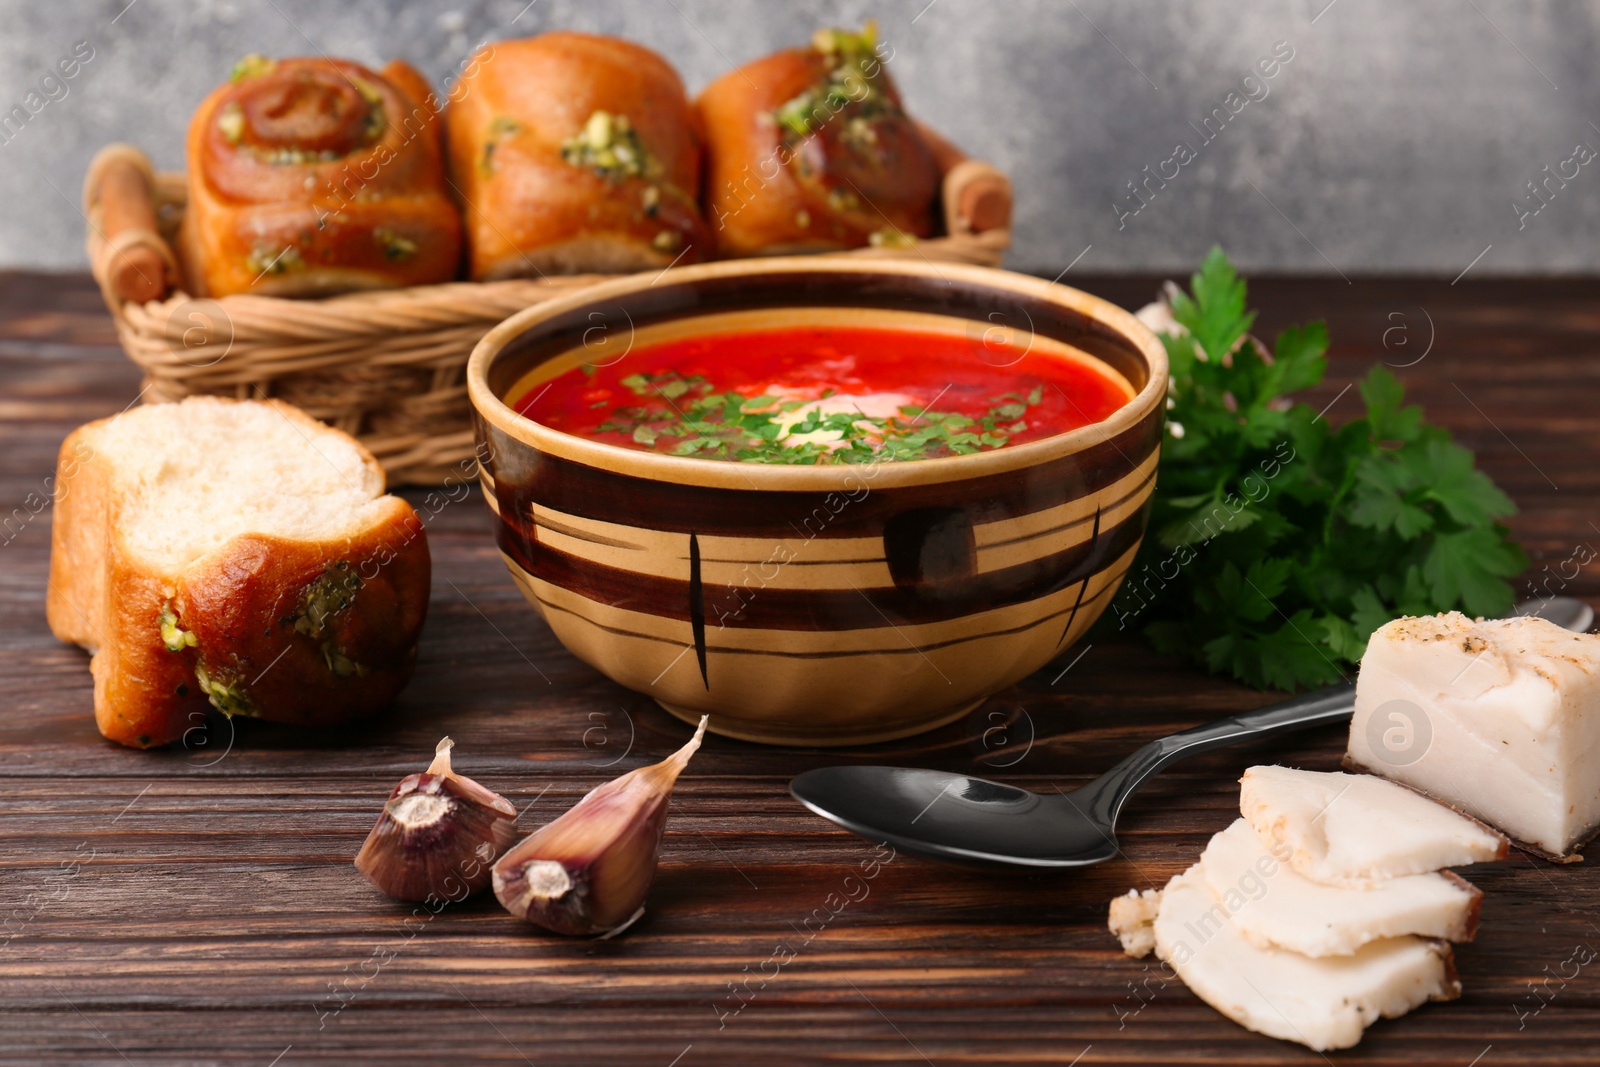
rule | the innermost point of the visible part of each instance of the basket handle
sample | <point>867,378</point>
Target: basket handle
<point>977,196</point>
<point>130,259</point>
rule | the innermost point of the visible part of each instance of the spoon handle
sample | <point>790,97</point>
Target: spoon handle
<point>1321,707</point>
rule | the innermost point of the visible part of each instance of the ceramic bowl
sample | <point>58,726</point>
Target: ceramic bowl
<point>817,605</point>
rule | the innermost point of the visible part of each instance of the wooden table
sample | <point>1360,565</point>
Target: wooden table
<point>199,906</point>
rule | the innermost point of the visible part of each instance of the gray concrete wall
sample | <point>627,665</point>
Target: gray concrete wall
<point>1400,136</point>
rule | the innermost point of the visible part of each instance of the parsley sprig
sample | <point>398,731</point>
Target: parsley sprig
<point>685,416</point>
<point>1278,543</point>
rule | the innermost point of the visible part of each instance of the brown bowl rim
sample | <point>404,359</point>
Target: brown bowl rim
<point>687,470</point>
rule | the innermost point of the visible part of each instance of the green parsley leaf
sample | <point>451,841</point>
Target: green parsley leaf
<point>1466,569</point>
<point>1215,315</point>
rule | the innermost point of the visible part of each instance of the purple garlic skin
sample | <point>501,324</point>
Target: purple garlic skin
<point>438,836</point>
<point>587,872</point>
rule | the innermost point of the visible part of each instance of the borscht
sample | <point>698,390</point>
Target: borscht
<point>829,394</point>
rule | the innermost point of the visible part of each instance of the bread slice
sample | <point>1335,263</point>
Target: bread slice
<point>232,553</point>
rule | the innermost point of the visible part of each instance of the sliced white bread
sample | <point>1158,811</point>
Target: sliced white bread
<point>236,553</point>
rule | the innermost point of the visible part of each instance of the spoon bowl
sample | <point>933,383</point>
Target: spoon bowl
<point>956,817</point>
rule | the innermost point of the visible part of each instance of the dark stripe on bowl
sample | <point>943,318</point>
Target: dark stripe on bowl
<point>1094,537</point>
<point>906,650</point>
<point>522,475</point>
<point>697,607</point>
<point>544,522</point>
<point>596,538</point>
<point>771,608</point>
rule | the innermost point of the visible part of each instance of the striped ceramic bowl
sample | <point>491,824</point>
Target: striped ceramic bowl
<point>817,605</point>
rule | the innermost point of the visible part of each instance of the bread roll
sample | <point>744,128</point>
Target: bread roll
<point>232,553</point>
<point>810,150</point>
<point>574,153</point>
<point>315,176</point>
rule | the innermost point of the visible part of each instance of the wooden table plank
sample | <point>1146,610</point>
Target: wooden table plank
<point>198,906</point>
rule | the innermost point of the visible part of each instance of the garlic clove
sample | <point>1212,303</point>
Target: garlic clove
<point>587,872</point>
<point>438,836</point>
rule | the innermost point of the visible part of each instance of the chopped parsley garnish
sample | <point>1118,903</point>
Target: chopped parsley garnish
<point>172,636</point>
<point>610,146</point>
<point>851,80</point>
<point>329,594</point>
<point>251,66</point>
<point>686,416</point>
<point>395,247</point>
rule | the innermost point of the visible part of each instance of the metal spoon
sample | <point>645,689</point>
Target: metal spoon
<point>955,817</point>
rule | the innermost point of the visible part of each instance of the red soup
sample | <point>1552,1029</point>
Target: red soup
<point>828,394</point>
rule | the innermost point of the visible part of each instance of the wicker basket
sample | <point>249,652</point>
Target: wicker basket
<point>385,366</point>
